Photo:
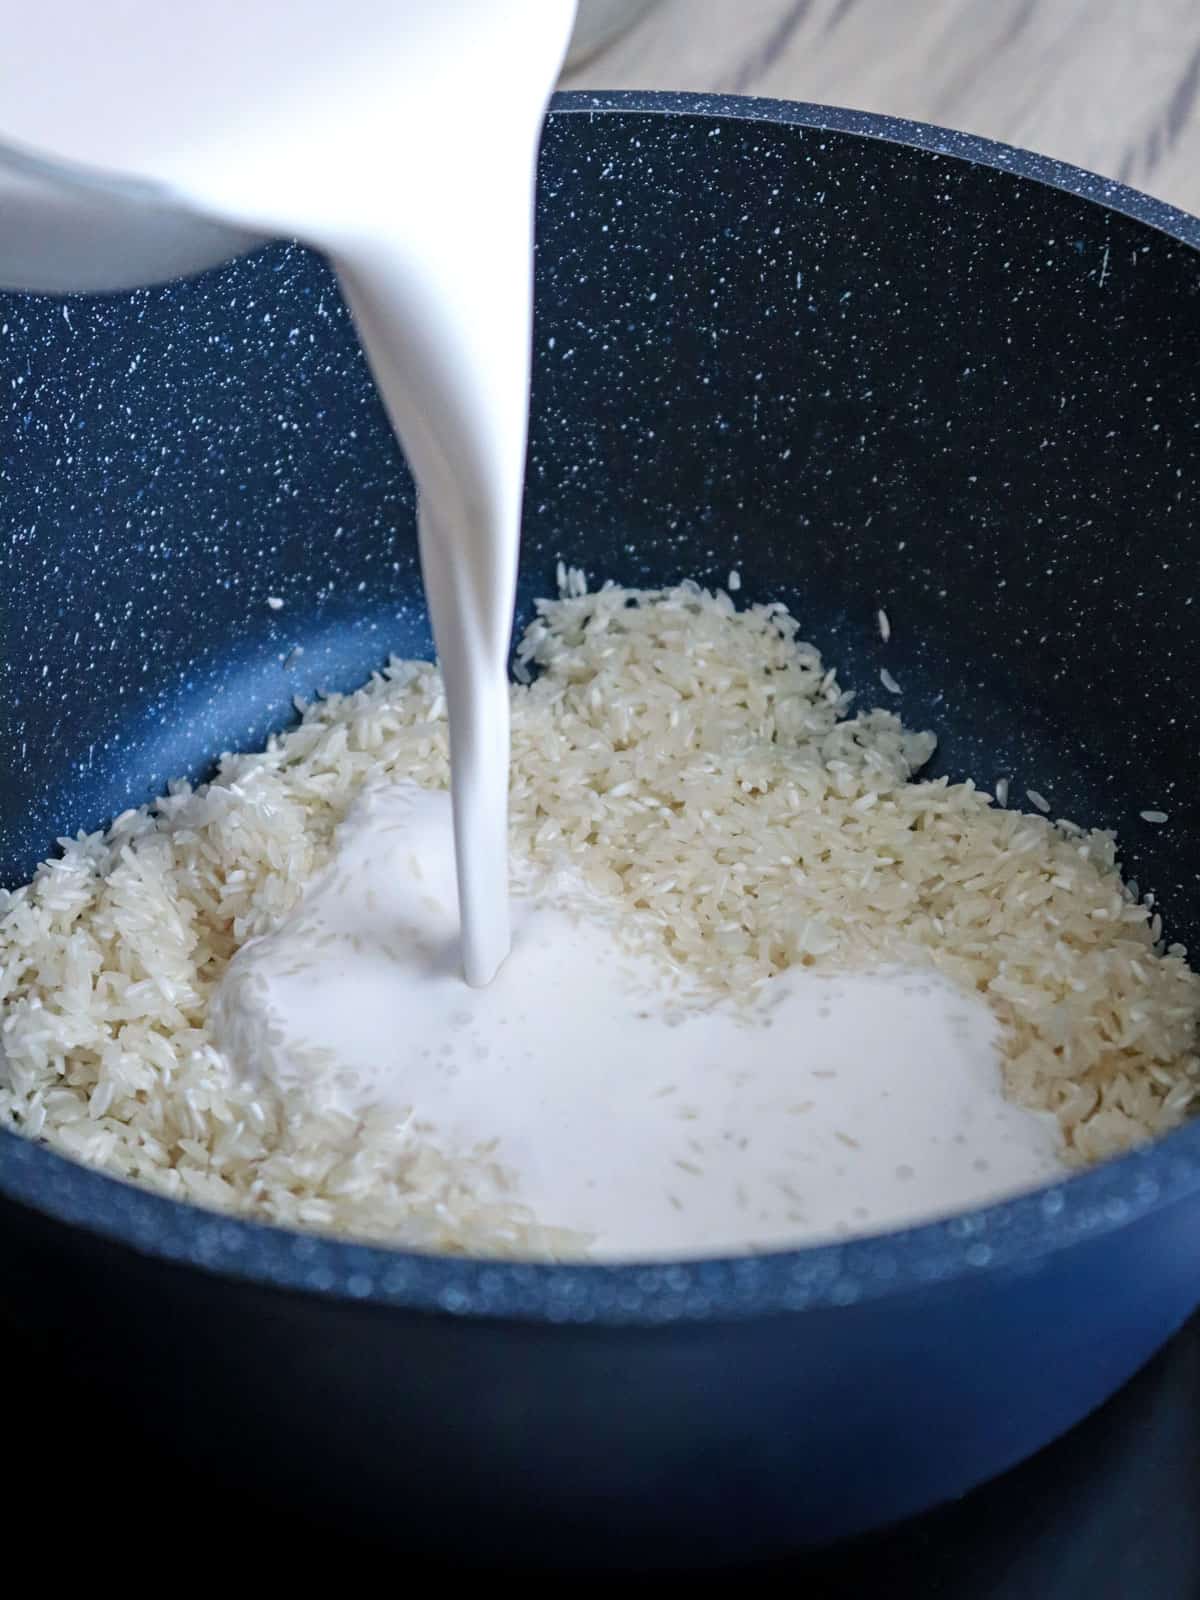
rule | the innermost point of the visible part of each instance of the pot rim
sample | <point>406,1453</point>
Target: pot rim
<point>1014,1235</point>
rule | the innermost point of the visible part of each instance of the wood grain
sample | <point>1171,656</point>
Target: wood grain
<point>1113,85</point>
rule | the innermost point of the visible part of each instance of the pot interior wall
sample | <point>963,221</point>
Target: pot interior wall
<point>863,374</point>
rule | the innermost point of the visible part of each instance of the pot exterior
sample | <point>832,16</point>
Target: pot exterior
<point>501,1441</point>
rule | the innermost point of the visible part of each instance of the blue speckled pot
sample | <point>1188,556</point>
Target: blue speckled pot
<point>866,362</point>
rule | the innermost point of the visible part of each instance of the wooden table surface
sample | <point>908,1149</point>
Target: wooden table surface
<point>1113,85</point>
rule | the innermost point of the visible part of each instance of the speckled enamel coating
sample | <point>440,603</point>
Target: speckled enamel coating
<point>866,363</point>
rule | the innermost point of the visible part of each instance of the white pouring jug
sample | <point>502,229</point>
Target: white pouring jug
<point>67,226</point>
<point>65,229</point>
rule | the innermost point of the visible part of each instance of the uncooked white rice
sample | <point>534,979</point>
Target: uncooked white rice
<point>888,682</point>
<point>885,626</point>
<point>1154,816</point>
<point>702,769</point>
<point>1038,800</point>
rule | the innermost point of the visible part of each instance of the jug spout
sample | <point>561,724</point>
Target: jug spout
<point>63,232</point>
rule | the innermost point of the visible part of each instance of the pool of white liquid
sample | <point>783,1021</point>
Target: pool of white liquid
<point>622,1104</point>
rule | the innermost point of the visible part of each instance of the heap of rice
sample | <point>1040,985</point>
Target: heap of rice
<point>705,773</point>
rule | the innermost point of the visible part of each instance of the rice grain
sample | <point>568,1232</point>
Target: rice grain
<point>762,821</point>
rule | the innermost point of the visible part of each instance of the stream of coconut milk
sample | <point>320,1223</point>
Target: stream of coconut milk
<point>400,137</point>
